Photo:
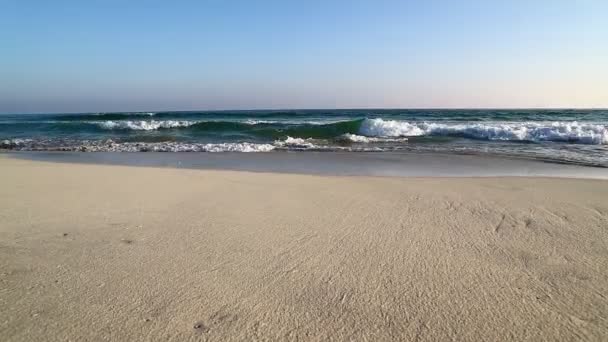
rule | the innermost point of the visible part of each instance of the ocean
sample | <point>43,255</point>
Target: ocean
<point>562,136</point>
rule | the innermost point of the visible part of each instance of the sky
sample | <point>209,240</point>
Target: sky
<point>99,56</point>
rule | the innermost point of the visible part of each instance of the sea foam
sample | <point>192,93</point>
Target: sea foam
<point>295,142</point>
<point>143,125</point>
<point>363,139</point>
<point>113,146</point>
<point>190,147</point>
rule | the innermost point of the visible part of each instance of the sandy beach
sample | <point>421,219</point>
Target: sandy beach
<point>121,253</point>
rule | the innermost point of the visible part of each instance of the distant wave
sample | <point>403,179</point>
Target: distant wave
<point>102,116</point>
<point>293,122</point>
<point>204,115</point>
<point>397,114</point>
<point>142,125</point>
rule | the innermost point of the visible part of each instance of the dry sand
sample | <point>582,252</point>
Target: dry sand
<point>90,253</point>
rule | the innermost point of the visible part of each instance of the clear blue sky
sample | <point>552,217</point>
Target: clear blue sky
<point>74,56</point>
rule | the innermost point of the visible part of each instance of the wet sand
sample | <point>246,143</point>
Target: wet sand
<point>384,164</point>
<point>103,252</point>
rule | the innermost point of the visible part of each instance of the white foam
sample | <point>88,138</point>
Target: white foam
<point>13,143</point>
<point>363,139</point>
<point>143,125</point>
<point>575,132</point>
<point>179,147</point>
<point>237,147</point>
<point>389,128</point>
<point>295,142</point>
<point>257,122</point>
<point>320,122</point>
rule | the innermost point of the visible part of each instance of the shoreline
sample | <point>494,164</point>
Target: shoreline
<point>91,252</point>
<point>385,164</point>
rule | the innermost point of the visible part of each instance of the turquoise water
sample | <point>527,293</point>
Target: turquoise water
<point>569,136</point>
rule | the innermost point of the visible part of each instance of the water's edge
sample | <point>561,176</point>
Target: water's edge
<point>332,163</point>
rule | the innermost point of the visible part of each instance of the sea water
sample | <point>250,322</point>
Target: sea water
<point>565,136</point>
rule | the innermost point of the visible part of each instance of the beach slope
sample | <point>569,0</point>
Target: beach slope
<point>90,252</point>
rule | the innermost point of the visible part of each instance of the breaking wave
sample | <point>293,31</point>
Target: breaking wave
<point>373,130</point>
<point>571,132</point>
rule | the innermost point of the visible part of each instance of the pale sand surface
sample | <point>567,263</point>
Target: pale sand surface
<point>90,253</point>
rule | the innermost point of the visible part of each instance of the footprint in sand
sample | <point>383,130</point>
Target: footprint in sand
<point>215,320</point>
<point>200,327</point>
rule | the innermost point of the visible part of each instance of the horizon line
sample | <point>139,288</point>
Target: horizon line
<point>311,109</point>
